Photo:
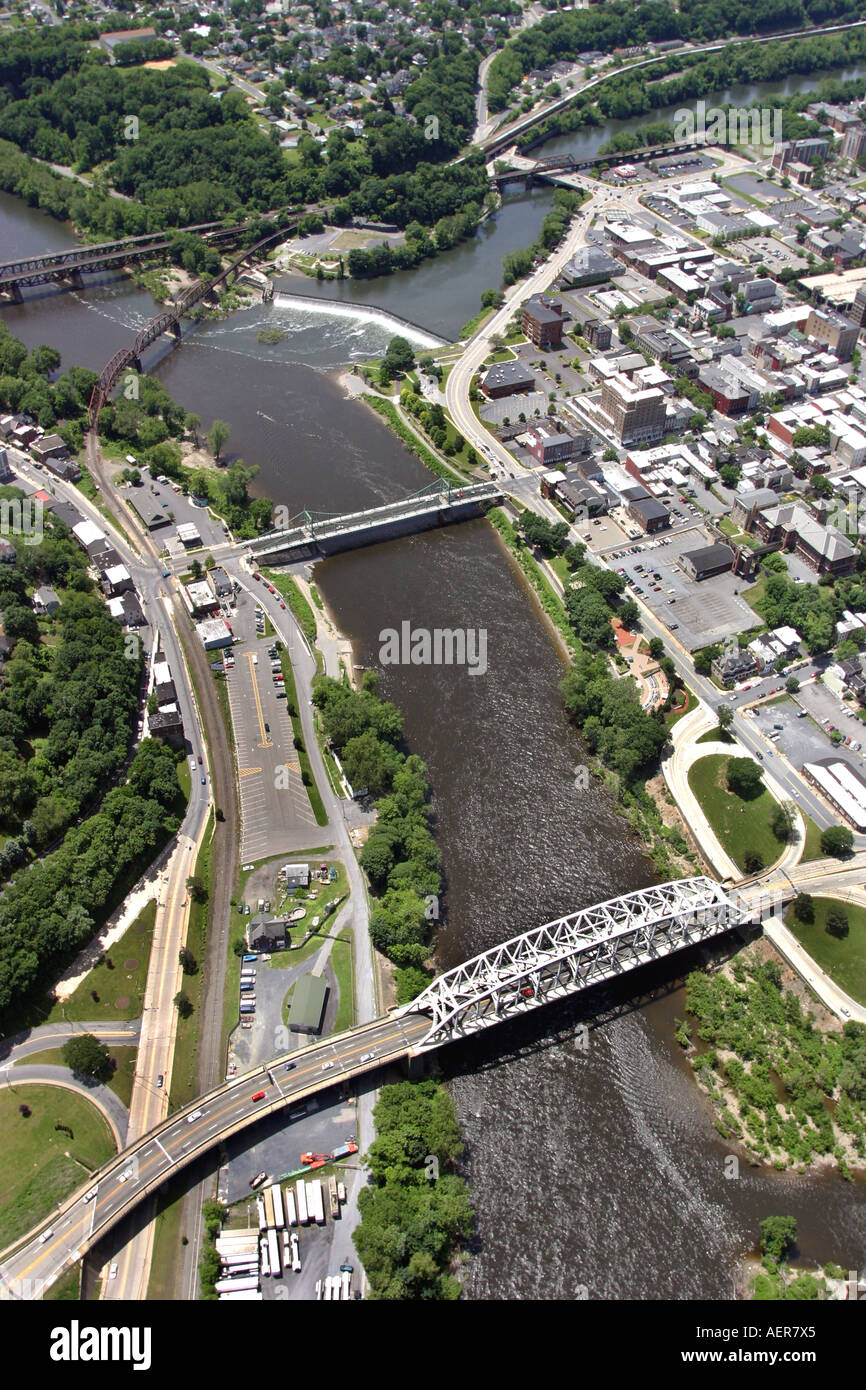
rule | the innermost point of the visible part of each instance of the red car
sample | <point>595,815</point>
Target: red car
<point>259,1095</point>
<point>256,575</point>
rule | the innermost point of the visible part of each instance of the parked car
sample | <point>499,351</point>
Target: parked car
<point>160,1081</point>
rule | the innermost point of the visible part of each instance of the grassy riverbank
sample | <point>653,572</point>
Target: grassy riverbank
<point>790,1088</point>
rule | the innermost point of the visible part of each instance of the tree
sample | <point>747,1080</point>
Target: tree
<point>804,907</point>
<point>183,1004</point>
<point>399,356</point>
<point>837,922</point>
<point>87,1056</point>
<point>778,1236</point>
<point>744,778</point>
<point>753,861</point>
<point>792,685</point>
<point>657,648</point>
<point>782,820</point>
<point>188,962</point>
<point>197,888</point>
<point>726,717</point>
<point>217,436</point>
<point>837,840</point>
<point>191,422</point>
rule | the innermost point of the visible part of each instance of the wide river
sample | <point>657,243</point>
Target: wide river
<point>594,1170</point>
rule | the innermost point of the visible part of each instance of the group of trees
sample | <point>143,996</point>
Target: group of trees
<point>609,713</point>
<point>26,387</point>
<point>400,857</point>
<point>416,1213</point>
<point>196,159</point>
<point>54,906</point>
<point>567,35</point>
<point>765,1034</point>
<point>65,708</point>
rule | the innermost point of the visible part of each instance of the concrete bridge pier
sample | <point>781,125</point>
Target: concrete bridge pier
<point>76,279</point>
<point>175,330</point>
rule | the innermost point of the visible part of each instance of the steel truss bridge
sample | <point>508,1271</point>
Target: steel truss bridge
<point>169,322</point>
<point>571,954</point>
<point>546,964</point>
<point>314,533</point>
<point>59,266</point>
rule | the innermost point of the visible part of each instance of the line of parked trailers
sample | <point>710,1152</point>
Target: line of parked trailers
<point>246,1257</point>
<point>248,990</point>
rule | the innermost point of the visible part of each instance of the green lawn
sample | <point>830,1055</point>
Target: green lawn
<point>121,1081</point>
<point>183,1086</point>
<point>843,959</point>
<point>739,825</point>
<point>812,847</point>
<point>40,1165</point>
<point>290,591</point>
<point>715,735</point>
<point>342,963</point>
<point>316,804</point>
<point>119,986</point>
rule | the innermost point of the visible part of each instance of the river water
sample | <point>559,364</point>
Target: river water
<point>593,1169</point>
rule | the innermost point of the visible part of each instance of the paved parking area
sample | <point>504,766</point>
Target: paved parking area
<point>812,739</point>
<point>275,809</point>
<point>179,507</point>
<point>704,612</point>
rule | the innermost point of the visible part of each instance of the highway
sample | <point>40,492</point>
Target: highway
<point>63,1238</point>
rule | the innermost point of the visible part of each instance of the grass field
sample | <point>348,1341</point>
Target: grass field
<point>812,847</point>
<point>184,1085</point>
<point>40,1165</point>
<point>121,1081</point>
<point>844,959</point>
<point>740,825</point>
<point>119,986</point>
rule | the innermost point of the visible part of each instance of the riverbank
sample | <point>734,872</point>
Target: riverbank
<point>789,1086</point>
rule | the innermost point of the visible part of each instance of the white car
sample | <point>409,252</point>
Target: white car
<point>327,1066</point>
<point>112,1273</point>
<point>46,1235</point>
<point>127,1173</point>
<point>196,1115</point>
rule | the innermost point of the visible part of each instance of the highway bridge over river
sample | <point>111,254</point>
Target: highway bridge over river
<point>311,535</point>
<point>550,962</point>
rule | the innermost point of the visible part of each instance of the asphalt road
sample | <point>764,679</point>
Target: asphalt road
<point>61,1241</point>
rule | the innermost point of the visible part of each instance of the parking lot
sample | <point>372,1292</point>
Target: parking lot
<point>807,740</point>
<point>318,1127</point>
<point>179,508</point>
<point>275,809</point>
<point>700,613</point>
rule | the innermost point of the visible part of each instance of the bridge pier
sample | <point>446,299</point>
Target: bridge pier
<point>15,294</point>
<point>76,279</point>
<point>175,330</point>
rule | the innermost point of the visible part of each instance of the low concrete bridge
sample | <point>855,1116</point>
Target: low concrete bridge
<point>313,535</point>
<point>548,168</point>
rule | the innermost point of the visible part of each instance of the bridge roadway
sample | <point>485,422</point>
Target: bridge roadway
<point>435,506</point>
<point>548,963</point>
<point>77,1224</point>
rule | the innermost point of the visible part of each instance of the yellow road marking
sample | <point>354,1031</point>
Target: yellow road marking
<point>266,742</point>
<point>182,1136</point>
<point>248,771</point>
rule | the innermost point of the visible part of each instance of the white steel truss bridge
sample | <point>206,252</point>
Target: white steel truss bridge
<point>563,957</point>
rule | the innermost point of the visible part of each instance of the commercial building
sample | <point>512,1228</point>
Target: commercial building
<point>734,666</point>
<point>308,1004</point>
<point>650,515</point>
<point>636,416</point>
<point>506,379</point>
<point>213,633</point>
<point>842,788</point>
<point>189,535</point>
<point>296,875</point>
<point>549,446</point>
<point>542,321</point>
<point>783,643</point>
<point>707,561</point>
<point>835,329</point>
<point>598,333</point>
